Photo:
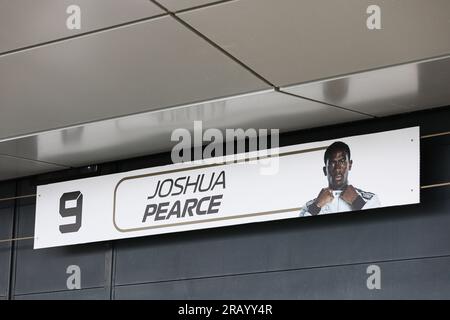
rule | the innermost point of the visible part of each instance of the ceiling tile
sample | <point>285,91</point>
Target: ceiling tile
<point>12,167</point>
<point>30,22</point>
<point>382,92</point>
<point>176,5</point>
<point>296,41</point>
<point>149,133</point>
<point>146,66</point>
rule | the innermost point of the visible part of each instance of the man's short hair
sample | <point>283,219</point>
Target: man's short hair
<point>334,147</point>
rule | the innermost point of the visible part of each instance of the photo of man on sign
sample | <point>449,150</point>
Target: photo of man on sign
<point>339,196</point>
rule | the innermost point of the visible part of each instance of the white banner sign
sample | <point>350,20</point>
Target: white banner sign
<point>348,174</point>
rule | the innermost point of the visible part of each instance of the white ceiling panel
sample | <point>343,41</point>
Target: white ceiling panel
<point>146,66</point>
<point>176,5</point>
<point>149,133</point>
<point>382,92</point>
<point>11,167</point>
<point>296,41</point>
<point>29,22</point>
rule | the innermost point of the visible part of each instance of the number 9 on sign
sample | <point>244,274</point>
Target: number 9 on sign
<point>70,205</point>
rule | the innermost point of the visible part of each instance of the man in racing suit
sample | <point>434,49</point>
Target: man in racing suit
<point>339,196</point>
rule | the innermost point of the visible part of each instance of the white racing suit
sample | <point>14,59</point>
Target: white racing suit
<point>339,205</point>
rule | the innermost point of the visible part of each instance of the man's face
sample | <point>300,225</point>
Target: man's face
<point>336,170</point>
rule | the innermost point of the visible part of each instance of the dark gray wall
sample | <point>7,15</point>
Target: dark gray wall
<point>411,279</point>
<point>321,257</point>
<point>7,190</point>
<point>83,294</point>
